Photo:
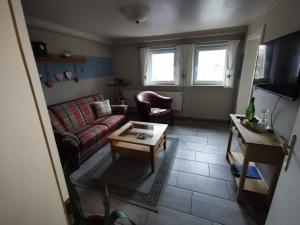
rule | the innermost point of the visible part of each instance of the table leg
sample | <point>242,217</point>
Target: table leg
<point>165,143</point>
<point>113,152</point>
<point>152,159</point>
<point>274,180</point>
<point>242,179</point>
<point>229,140</point>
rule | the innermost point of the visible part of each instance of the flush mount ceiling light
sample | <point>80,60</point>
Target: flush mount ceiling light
<point>135,13</point>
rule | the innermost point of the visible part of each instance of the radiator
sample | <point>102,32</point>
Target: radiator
<point>176,96</point>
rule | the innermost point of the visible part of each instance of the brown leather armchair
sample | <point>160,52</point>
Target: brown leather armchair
<point>153,107</point>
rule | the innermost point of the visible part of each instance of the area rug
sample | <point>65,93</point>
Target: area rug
<point>130,178</point>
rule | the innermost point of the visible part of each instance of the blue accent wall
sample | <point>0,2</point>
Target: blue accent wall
<point>93,67</point>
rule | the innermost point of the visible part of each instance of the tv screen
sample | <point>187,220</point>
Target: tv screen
<point>278,65</point>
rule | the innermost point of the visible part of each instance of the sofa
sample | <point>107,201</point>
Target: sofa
<point>77,130</point>
<point>153,107</point>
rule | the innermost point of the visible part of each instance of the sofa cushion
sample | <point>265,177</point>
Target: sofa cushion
<point>84,104</point>
<point>55,122</point>
<point>112,122</point>
<point>70,115</point>
<point>102,108</point>
<point>91,137</point>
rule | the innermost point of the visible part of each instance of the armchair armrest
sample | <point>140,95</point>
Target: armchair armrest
<point>68,148</point>
<point>119,109</point>
<point>145,110</point>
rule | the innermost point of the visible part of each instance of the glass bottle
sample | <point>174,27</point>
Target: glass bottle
<point>250,111</point>
<point>266,119</point>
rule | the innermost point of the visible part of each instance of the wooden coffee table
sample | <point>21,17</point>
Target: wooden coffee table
<point>125,140</point>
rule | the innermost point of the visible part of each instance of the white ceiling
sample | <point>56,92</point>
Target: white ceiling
<point>103,18</point>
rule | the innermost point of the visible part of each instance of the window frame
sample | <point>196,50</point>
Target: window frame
<point>195,65</point>
<point>152,51</point>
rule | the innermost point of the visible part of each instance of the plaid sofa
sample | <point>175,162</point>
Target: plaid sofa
<point>78,133</point>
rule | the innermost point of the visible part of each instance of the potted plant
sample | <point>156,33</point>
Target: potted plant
<point>77,215</point>
<point>119,84</point>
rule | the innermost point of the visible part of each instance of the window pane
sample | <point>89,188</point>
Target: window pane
<point>211,65</point>
<point>163,66</point>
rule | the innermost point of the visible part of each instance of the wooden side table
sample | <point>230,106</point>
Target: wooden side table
<point>263,148</point>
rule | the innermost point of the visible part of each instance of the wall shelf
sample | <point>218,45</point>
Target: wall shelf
<point>70,59</point>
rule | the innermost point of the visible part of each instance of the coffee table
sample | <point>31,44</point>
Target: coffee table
<point>126,141</point>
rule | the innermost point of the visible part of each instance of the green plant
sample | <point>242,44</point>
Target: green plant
<point>109,218</point>
<point>119,83</point>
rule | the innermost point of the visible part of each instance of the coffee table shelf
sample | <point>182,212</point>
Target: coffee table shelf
<point>125,141</point>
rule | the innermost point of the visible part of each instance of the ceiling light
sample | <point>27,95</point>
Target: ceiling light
<point>135,13</point>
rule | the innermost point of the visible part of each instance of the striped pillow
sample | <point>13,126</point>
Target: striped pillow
<point>101,108</point>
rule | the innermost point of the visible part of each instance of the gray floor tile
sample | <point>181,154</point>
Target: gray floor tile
<point>219,210</point>
<point>221,172</point>
<point>177,198</point>
<point>232,189</point>
<point>191,167</point>
<point>216,223</point>
<point>211,158</point>
<point>200,147</point>
<point>203,184</point>
<point>167,216</point>
<point>137,214</point>
<point>222,142</point>
<point>184,154</point>
<point>195,139</point>
<point>172,179</point>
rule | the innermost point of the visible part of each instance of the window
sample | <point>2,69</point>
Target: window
<point>161,67</point>
<point>209,65</point>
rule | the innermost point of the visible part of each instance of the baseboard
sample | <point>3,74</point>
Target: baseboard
<point>201,119</point>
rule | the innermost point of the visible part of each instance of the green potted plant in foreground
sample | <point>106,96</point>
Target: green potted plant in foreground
<point>77,215</point>
<point>119,84</point>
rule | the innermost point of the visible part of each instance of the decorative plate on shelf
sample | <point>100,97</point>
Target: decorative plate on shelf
<point>254,125</point>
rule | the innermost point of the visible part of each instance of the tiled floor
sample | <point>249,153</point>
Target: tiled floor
<point>200,188</point>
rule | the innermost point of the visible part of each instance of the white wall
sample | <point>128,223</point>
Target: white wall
<point>204,102</point>
<point>284,18</point>
<point>29,192</point>
<point>67,90</point>
<point>245,83</point>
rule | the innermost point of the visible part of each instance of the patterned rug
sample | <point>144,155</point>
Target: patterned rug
<point>129,178</point>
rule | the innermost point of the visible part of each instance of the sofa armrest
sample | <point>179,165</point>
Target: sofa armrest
<point>119,109</point>
<point>68,147</point>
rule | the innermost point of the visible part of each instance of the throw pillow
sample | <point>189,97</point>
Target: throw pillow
<point>102,108</point>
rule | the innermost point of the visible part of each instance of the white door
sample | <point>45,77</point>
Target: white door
<point>30,192</point>
<point>285,208</point>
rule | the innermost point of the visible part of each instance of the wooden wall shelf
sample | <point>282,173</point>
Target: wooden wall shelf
<point>71,59</point>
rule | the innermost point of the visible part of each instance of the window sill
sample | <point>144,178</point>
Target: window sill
<point>207,85</point>
<point>161,85</point>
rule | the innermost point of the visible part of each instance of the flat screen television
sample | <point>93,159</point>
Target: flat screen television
<point>278,66</point>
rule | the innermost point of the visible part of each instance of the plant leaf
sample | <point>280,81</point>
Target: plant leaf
<point>106,202</point>
<point>73,197</point>
<point>116,215</point>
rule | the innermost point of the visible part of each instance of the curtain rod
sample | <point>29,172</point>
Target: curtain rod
<point>182,43</point>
